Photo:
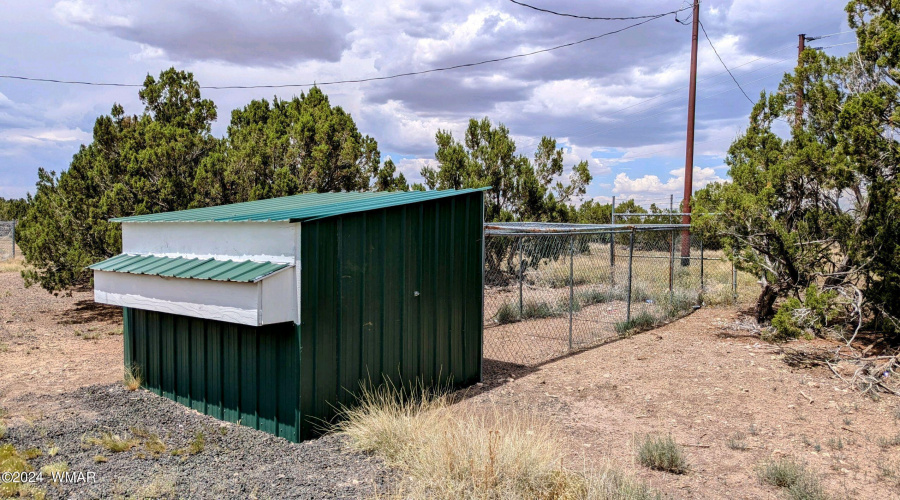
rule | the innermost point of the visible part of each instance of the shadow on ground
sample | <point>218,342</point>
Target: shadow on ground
<point>87,311</point>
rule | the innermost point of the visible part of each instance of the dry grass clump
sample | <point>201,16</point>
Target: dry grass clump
<point>662,453</point>
<point>152,442</point>
<point>112,442</point>
<point>12,265</point>
<point>132,378</point>
<point>798,482</point>
<point>53,470</point>
<point>888,442</point>
<point>13,461</point>
<point>446,451</point>
<point>162,486</point>
<point>737,442</point>
<point>196,446</point>
<point>639,322</point>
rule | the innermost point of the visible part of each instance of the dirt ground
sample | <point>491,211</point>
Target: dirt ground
<point>49,345</point>
<point>704,379</point>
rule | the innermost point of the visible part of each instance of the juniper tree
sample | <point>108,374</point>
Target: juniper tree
<point>820,204</point>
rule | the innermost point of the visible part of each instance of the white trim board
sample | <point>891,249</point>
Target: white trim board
<point>265,302</point>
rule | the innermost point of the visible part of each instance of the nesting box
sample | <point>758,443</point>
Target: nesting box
<point>272,313</point>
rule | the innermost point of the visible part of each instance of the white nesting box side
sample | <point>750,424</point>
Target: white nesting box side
<point>271,300</point>
<point>260,241</point>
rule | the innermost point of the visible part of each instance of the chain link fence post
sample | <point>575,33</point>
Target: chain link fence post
<point>521,276</point>
<point>672,266</point>
<point>630,265</point>
<point>571,287</point>
<point>612,243</point>
<point>733,282</point>
<point>702,282</point>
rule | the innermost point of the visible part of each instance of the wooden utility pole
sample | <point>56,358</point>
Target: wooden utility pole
<point>799,107</point>
<point>689,150</point>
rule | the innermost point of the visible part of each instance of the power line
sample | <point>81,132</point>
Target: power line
<point>723,63</point>
<point>593,18</point>
<point>358,80</point>
<point>592,131</point>
<point>598,129</point>
<point>812,38</point>
<point>70,82</point>
<point>679,89</point>
<point>702,98</point>
<point>830,46</point>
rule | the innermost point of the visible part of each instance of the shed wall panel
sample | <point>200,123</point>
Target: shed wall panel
<point>389,294</point>
<point>233,372</point>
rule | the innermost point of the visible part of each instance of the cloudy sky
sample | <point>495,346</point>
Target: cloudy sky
<point>619,101</point>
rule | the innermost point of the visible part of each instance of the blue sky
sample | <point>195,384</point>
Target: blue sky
<point>619,101</point>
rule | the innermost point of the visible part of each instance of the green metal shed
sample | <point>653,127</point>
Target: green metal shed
<point>272,313</point>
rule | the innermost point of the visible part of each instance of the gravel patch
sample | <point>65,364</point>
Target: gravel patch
<point>235,461</point>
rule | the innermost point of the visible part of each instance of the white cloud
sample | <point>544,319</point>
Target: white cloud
<point>80,13</point>
<point>412,168</point>
<point>260,33</point>
<point>43,136</point>
<point>569,94</point>
<point>650,188</point>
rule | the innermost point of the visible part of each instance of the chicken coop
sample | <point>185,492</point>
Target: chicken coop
<point>272,313</point>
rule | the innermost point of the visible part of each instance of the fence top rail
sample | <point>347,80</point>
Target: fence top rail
<point>664,214</point>
<point>527,228</point>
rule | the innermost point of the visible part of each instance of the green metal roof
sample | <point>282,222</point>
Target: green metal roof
<point>182,267</point>
<point>298,208</point>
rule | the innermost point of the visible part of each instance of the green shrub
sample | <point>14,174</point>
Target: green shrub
<point>592,296</point>
<point>816,312</point>
<point>784,324</point>
<point>678,303</point>
<point>639,292</point>
<point>798,482</point>
<point>537,309</point>
<point>662,453</point>
<point>507,313</point>
<point>562,306</point>
<point>639,322</point>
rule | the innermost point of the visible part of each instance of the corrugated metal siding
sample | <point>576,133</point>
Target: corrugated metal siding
<point>231,372</point>
<point>360,316</point>
<point>245,271</point>
<point>301,207</point>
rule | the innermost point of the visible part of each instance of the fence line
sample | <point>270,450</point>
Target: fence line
<point>551,289</point>
<point>7,240</point>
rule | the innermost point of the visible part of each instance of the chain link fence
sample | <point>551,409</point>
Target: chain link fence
<point>551,289</point>
<point>7,240</point>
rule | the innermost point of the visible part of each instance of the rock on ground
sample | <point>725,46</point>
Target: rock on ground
<point>235,462</point>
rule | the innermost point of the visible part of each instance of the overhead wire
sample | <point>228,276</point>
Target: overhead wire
<point>705,97</point>
<point>835,45</point>
<point>819,37</point>
<point>679,89</point>
<point>356,80</point>
<point>596,18</point>
<point>705,34</point>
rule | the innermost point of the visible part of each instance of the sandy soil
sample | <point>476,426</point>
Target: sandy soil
<point>705,379</point>
<point>54,344</point>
